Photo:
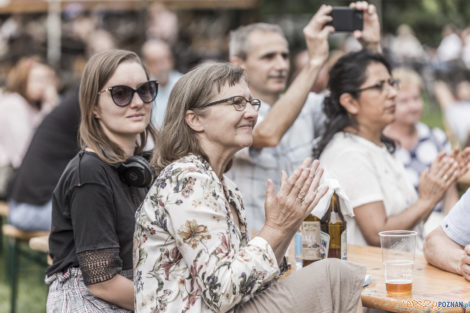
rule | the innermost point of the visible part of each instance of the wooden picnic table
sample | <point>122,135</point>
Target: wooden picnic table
<point>431,286</point>
<point>41,244</point>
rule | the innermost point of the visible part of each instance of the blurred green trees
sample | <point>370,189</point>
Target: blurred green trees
<point>426,17</point>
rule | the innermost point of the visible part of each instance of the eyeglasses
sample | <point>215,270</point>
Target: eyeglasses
<point>122,95</point>
<point>238,102</point>
<point>380,86</point>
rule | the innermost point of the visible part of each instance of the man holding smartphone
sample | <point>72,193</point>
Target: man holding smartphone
<point>288,121</point>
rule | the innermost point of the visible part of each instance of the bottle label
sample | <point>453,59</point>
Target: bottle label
<point>325,244</point>
<point>311,240</point>
<point>344,246</point>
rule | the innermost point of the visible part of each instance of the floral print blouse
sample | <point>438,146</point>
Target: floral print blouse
<point>189,255</point>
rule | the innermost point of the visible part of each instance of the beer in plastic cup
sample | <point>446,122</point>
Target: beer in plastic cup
<point>398,256</point>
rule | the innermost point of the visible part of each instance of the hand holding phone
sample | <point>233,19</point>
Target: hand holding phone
<point>369,36</point>
<point>346,19</point>
<point>316,35</point>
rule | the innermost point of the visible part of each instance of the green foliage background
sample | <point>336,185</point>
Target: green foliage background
<point>426,17</point>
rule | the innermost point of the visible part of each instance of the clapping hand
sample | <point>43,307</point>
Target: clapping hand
<point>297,197</point>
<point>462,159</point>
<point>435,180</point>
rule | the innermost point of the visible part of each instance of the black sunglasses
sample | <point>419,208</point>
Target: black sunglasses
<point>122,95</point>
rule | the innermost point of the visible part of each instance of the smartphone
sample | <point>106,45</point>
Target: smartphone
<point>346,19</point>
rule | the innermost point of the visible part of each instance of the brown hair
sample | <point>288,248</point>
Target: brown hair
<point>96,74</point>
<point>18,76</point>
<point>191,92</point>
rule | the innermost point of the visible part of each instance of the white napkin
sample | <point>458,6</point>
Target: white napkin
<point>333,186</point>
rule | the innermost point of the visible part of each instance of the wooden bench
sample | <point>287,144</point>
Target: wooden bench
<point>4,210</point>
<point>41,244</point>
<point>15,237</point>
<point>12,231</point>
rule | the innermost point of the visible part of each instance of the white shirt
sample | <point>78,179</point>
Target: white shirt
<point>456,117</point>
<point>369,173</point>
<point>450,48</point>
<point>455,224</point>
<point>161,102</point>
<point>251,168</point>
<point>466,51</point>
<point>18,122</point>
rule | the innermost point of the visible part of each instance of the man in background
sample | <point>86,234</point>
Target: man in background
<point>287,124</point>
<point>159,62</point>
<point>289,120</point>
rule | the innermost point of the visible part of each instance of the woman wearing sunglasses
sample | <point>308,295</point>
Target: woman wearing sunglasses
<point>354,150</point>
<point>97,195</point>
<point>192,250</point>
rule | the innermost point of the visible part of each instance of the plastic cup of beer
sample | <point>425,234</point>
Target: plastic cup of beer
<point>398,257</point>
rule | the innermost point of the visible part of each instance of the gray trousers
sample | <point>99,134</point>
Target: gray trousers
<point>329,285</point>
<point>69,294</point>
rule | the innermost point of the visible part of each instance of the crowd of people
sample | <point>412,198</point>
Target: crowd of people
<point>169,192</point>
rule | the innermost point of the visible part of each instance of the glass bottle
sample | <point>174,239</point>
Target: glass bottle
<point>310,240</point>
<point>334,231</point>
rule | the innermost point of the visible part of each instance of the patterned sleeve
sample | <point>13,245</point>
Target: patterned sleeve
<point>225,272</point>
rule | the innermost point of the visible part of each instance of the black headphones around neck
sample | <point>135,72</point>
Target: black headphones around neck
<point>136,171</point>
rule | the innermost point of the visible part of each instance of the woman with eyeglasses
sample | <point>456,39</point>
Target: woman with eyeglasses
<point>94,202</point>
<point>353,149</point>
<point>192,248</point>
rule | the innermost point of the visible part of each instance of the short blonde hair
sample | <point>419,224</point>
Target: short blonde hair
<point>408,78</point>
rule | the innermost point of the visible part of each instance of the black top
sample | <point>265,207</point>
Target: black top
<point>93,219</point>
<point>53,145</point>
